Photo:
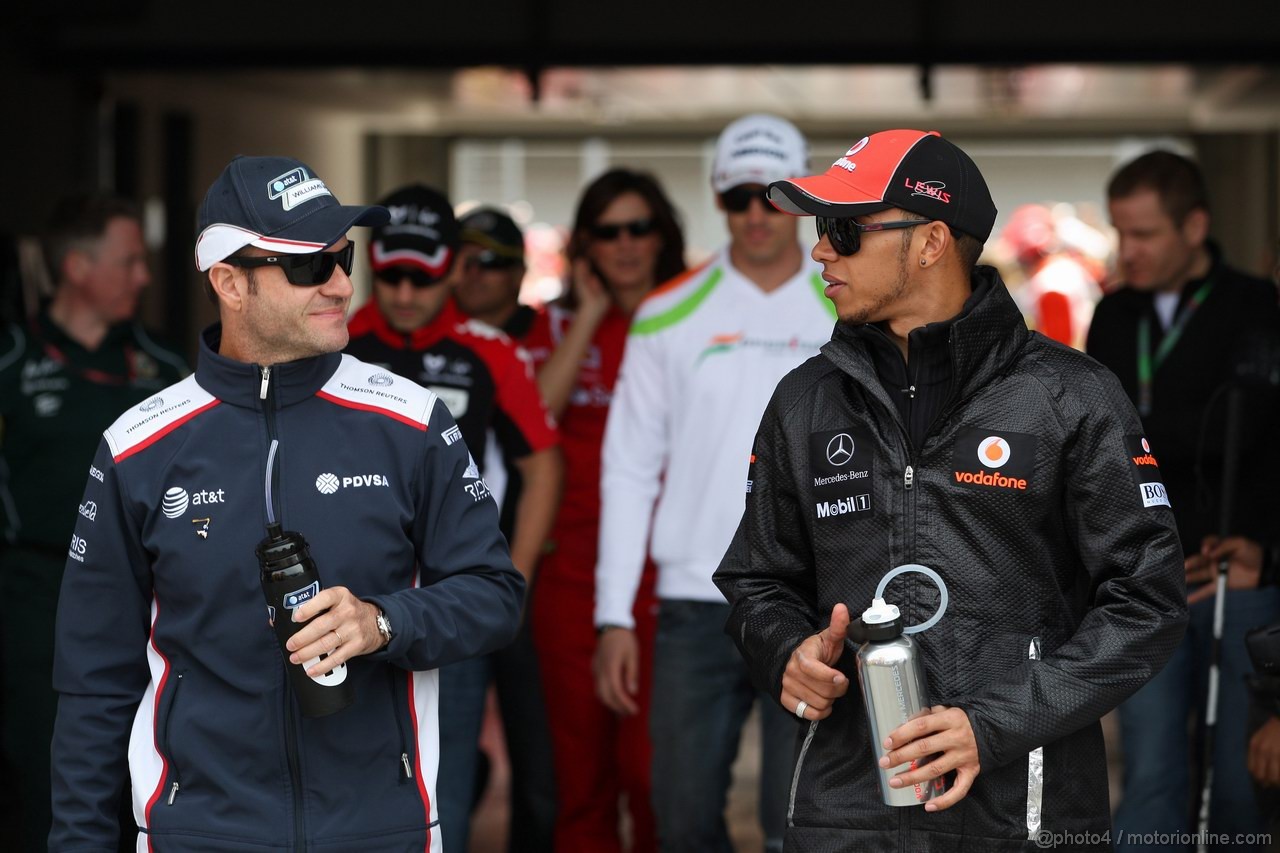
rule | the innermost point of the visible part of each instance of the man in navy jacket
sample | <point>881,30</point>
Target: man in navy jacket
<point>168,670</point>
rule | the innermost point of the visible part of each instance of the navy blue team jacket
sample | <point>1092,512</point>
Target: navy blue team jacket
<point>167,668</point>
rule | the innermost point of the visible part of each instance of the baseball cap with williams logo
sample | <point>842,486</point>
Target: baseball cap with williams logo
<point>913,170</point>
<point>275,203</point>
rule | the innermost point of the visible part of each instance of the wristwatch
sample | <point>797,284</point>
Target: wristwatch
<point>384,628</point>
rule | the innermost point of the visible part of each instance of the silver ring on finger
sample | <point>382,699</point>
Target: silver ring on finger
<point>801,708</point>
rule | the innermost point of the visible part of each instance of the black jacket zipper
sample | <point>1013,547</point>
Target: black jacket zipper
<point>266,393</point>
<point>406,752</point>
<point>165,747</point>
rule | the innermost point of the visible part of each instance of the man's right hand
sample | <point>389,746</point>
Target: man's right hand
<point>617,670</point>
<point>809,676</point>
<point>1244,568</point>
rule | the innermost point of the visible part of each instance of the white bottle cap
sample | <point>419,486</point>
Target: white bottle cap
<point>879,612</point>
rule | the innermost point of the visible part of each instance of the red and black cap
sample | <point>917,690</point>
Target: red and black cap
<point>912,170</point>
<point>423,233</point>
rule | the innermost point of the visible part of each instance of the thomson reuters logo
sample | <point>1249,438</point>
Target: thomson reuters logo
<point>327,484</point>
<point>175,502</point>
<point>993,451</point>
<point>152,404</point>
<point>381,380</point>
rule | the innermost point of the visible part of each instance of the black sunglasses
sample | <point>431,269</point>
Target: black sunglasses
<point>846,235</point>
<point>738,199</point>
<point>608,231</point>
<point>303,270</point>
<point>420,279</point>
<point>487,260</point>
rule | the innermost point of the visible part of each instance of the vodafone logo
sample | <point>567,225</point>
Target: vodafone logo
<point>1006,460</point>
<point>1146,446</point>
<point>993,451</point>
<point>858,146</point>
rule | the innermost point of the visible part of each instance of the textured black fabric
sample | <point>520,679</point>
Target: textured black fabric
<point>1074,559</point>
<point>1188,417</point>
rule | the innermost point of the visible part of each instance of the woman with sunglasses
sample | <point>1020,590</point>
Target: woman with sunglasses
<point>625,240</point>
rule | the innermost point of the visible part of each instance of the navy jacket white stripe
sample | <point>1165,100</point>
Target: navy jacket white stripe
<point>165,663</point>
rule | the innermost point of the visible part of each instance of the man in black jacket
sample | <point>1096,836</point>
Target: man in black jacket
<point>1177,333</point>
<point>1004,461</point>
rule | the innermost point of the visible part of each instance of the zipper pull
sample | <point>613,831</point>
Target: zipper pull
<point>266,378</point>
<point>408,771</point>
<point>908,477</point>
<point>173,793</point>
<point>911,392</point>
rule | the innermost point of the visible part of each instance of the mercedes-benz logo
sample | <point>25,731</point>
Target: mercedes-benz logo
<point>840,449</point>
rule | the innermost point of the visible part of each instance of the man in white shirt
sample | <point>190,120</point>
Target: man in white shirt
<point>703,356</point>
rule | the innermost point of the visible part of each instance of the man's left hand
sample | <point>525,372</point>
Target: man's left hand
<point>339,625</point>
<point>944,733</point>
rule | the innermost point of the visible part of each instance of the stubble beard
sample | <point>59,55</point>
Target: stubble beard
<point>874,312</point>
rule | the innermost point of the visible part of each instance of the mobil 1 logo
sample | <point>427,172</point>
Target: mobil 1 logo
<point>840,470</point>
<point>1146,470</point>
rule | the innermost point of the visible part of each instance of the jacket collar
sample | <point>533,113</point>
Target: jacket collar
<point>240,383</point>
<point>370,319</point>
<point>983,340</point>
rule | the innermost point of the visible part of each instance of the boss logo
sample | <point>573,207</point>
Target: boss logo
<point>1153,494</point>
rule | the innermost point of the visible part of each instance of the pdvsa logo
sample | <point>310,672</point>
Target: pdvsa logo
<point>328,483</point>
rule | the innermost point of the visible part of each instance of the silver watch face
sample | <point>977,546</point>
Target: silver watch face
<point>384,625</point>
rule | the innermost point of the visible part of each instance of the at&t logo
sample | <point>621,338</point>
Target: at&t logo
<point>176,500</point>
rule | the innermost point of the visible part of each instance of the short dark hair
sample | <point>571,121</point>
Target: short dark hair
<point>78,220</point>
<point>1174,178</point>
<point>968,247</point>
<point>601,192</point>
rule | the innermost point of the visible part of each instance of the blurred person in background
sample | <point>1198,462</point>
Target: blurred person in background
<point>1058,291</point>
<point>493,268</point>
<point>64,377</point>
<point>625,240</point>
<point>703,356</point>
<point>414,328</point>
<point>1173,335</point>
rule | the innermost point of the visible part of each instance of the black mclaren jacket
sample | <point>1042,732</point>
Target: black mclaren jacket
<point>1034,497</point>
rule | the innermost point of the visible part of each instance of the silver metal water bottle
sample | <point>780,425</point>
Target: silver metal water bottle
<point>894,691</point>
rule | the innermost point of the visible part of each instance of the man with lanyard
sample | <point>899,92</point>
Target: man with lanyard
<point>1176,333</point>
<point>169,673</point>
<point>935,429</point>
<point>413,326</point>
<point>702,355</point>
<point>63,377</point>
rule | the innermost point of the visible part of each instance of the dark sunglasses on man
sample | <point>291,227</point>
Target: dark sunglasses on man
<point>846,235</point>
<point>738,199</point>
<point>610,231</point>
<point>487,260</point>
<point>420,279</point>
<point>308,270</point>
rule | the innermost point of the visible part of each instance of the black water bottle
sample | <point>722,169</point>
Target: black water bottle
<point>289,580</point>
